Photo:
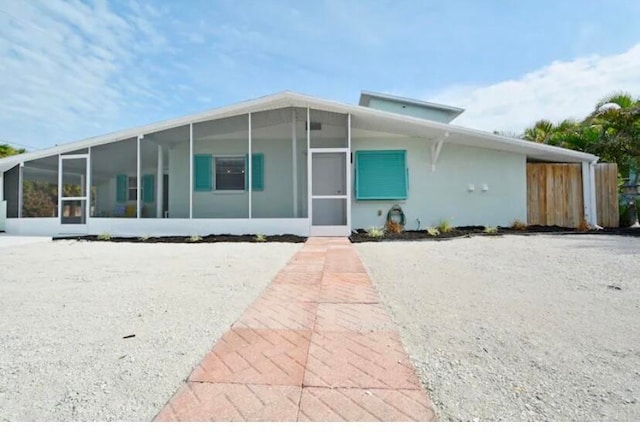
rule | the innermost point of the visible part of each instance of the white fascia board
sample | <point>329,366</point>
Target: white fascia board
<point>291,99</point>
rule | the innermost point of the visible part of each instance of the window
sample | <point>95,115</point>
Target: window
<point>229,173</point>
<point>132,189</point>
<point>381,175</point>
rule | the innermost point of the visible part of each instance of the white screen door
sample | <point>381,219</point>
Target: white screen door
<point>329,192</point>
<point>73,191</point>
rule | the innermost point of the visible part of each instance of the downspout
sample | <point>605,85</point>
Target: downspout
<point>592,192</point>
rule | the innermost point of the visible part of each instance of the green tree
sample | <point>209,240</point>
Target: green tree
<point>7,150</point>
<point>611,131</point>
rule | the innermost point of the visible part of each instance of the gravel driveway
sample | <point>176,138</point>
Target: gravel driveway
<point>519,328</point>
<point>66,306</point>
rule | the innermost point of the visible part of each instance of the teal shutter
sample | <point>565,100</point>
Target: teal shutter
<point>257,176</point>
<point>121,188</point>
<point>246,172</point>
<point>381,175</point>
<point>202,173</point>
<point>257,165</point>
<point>148,188</point>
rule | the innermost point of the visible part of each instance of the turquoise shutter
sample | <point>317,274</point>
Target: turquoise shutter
<point>381,175</point>
<point>121,188</point>
<point>148,188</point>
<point>257,165</point>
<point>246,172</point>
<point>202,173</point>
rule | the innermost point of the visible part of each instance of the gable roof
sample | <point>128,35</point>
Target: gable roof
<point>362,117</point>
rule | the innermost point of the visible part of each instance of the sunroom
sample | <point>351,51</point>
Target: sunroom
<point>237,174</point>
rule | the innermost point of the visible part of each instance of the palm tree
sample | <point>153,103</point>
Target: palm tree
<point>540,132</point>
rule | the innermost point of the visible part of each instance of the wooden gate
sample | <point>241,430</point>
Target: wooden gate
<point>607,195</point>
<point>554,194</point>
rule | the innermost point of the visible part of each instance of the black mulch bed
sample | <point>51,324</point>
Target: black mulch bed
<point>227,238</point>
<point>470,231</point>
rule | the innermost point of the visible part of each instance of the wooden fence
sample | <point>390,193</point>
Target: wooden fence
<point>607,195</point>
<point>554,194</point>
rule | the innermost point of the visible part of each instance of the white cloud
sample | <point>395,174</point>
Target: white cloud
<point>558,91</point>
<point>69,69</point>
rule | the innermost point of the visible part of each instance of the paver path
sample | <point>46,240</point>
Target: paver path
<point>316,346</point>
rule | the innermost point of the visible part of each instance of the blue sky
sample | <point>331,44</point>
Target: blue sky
<point>74,69</point>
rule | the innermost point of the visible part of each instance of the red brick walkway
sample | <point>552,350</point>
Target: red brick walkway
<point>316,346</point>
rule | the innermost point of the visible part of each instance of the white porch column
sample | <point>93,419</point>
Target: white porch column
<point>190,170</point>
<point>1,186</point>
<point>60,179</point>
<point>294,146</point>
<point>159,185</point>
<point>138,200</point>
<point>88,194</point>
<point>309,169</point>
<point>348,162</point>
<point>249,167</point>
<point>20,174</point>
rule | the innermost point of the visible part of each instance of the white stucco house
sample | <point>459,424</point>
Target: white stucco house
<point>284,163</point>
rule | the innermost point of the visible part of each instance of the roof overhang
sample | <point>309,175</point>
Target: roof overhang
<point>362,118</point>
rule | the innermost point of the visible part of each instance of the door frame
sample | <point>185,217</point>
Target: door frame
<point>329,230</point>
<point>71,227</point>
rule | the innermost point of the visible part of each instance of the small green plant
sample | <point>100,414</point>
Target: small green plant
<point>195,238</point>
<point>433,231</point>
<point>143,238</point>
<point>375,232</point>
<point>444,226</point>
<point>260,238</point>
<point>490,230</point>
<point>105,236</point>
<point>518,225</point>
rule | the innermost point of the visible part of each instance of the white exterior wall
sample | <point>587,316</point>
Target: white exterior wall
<point>443,193</point>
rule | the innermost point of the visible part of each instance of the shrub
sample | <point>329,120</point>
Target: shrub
<point>583,226</point>
<point>104,236</point>
<point>375,232</point>
<point>260,238</point>
<point>195,238</point>
<point>393,227</point>
<point>433,231</point>
<point>444,226</point>
<point>518,225</point>
<point>490,230</point>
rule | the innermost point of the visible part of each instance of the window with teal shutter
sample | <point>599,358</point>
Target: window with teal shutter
<point>121,188</point>
<point>148,188</point>
<point>381,175</point>
<point>202,173</point>
<point>257,165</point>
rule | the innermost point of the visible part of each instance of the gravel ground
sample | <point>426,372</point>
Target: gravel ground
<point>65,307</point>
<point>519,328</point>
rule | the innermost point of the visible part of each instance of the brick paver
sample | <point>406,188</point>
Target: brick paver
<point>317,345</point>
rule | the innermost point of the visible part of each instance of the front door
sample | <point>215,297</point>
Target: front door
<point>73,192</point>
<point>329,192</point>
